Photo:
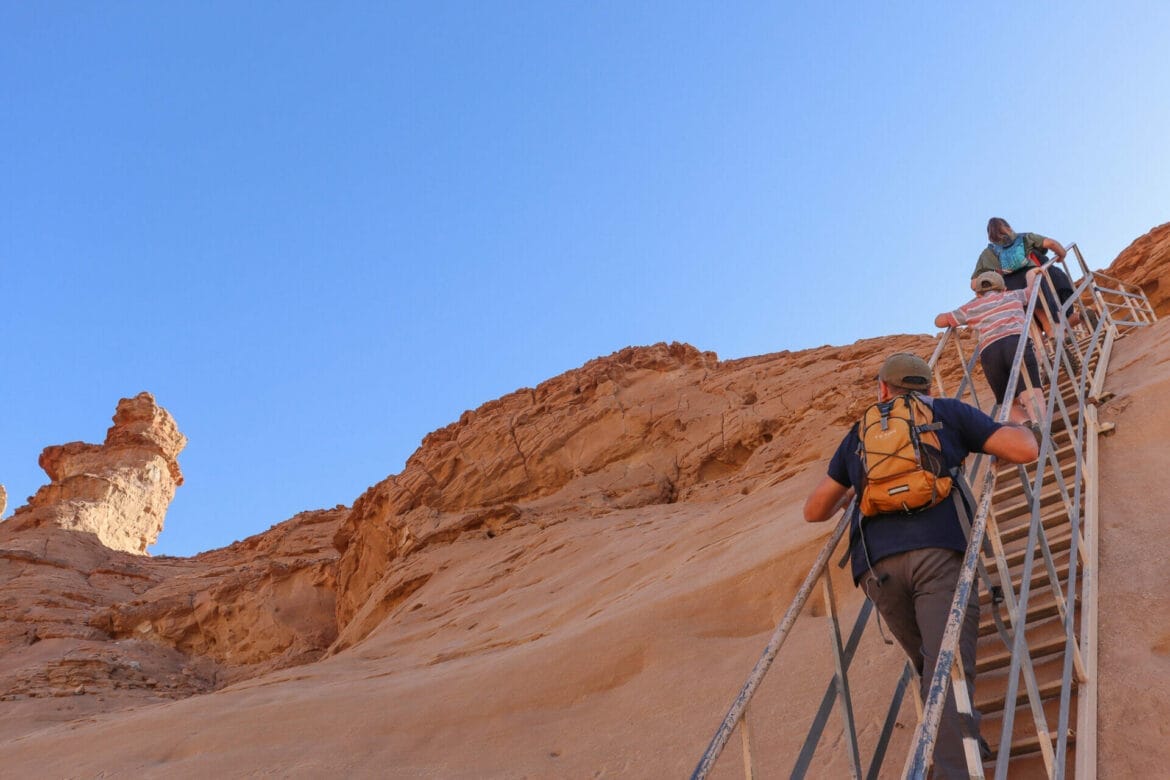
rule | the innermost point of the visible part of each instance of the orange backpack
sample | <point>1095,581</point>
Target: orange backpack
<point>901,456</point>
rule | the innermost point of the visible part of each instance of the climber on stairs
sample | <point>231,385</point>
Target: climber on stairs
<point>909,563</point>
<point>998,315</point>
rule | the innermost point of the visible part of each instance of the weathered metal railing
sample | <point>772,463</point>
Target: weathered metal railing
<point>1103,308</point>
<point>1059,358</point>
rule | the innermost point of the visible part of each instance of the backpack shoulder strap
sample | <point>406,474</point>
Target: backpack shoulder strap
<point>935,424</point>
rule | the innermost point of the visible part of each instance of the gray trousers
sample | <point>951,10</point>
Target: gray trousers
<point>912,591</point>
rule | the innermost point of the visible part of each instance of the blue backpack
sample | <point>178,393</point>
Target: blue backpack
<point>1011,257</point>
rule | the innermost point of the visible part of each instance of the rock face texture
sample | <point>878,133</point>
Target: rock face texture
<point>119,490</point>
<point>1144,263</point>
<point>571,580</point>
<point>85,611</point>
<point>263,603</point>
<point>642,427</point>
<point>78,619</point>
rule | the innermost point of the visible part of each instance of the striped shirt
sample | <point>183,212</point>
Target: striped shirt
<point>995,315</point>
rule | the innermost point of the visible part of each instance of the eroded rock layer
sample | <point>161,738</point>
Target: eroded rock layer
<point>79,618</point>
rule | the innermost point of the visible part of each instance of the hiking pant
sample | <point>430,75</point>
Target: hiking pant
<point>912,591</point>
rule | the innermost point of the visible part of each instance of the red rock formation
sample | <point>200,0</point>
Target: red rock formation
<point>85,612</point>
<point>79,618</point>
<point>119,490</point>
<point>1144,263</point>
<point>259,604</point>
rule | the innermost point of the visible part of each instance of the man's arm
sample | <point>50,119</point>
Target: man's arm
<point>826,500</point>
<point>1013,443</point>
<point>945,320</point>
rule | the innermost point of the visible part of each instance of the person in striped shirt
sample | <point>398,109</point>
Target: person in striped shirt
<point>998,315</point>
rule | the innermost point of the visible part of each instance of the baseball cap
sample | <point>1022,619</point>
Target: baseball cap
<point>905,370</point>
<point>988,280</point>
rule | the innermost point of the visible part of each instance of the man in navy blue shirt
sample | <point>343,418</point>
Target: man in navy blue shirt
<point>908,564</point>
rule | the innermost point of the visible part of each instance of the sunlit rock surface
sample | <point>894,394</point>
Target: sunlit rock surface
<point>120,490</point>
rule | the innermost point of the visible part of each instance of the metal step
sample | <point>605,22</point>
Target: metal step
<point>1018,529</point>
<point>1010,487</point>
<point>1059,559</point>
<point>1027,745</point>
<point>1041,606</point>
<point>1003,658</point>
<point>1024,737</point>
<point>1049,494</point>
<point>1056,543</point>
<point>1039,580</point>
<point>991,689</point>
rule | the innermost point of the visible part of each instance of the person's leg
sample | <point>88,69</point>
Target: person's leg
<point>936,574</point>
<point>1047,308</point>
<point>1029,407</point>
<point>888,585</point>
<point>990,357</point>
<point>1029,394</point>
<point>1064,287</point>
<point>996,359</point>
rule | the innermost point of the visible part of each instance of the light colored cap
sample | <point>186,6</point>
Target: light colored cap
<point>988,280</point>
<point>905,370</point>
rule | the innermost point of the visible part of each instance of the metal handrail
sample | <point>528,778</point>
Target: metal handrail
<point>1054,367</point>
<point>739,706</point>
<point>1070,355</point>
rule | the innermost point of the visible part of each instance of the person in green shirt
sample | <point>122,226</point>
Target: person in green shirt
<point>1015,255</point>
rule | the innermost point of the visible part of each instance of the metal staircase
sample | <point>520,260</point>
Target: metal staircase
<point>1033,550</point>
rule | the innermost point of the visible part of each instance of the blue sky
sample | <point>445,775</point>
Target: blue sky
<point>316,232</point>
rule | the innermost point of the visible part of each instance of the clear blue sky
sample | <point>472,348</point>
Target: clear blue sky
<point>317,232</point>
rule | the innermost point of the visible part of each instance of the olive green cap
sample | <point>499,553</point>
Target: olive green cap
<point>906,370</point>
